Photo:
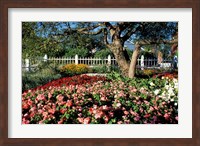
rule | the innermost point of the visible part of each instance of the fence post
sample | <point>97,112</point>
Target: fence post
<point>45,58</point>
<point>76,59</point>
<point>142,62</point>
<point>27,64</point>
<point>109,63</point>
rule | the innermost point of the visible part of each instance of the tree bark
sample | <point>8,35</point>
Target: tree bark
<point>121,56</point>
<point>132,67</point>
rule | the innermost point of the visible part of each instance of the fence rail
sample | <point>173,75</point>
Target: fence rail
<point>142,62</point>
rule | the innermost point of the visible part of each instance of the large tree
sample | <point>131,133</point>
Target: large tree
<point>143,33</point>
<point>115,34</point>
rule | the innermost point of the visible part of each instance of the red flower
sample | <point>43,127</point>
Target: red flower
<point>25,106</point>
<point>62,111</point>
<point>147,116</point>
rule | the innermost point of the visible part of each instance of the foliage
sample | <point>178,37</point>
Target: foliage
<point>103,53</point>
<point>35,45</point>
<point>81,52</point>
<point>33,79</point>
<point>73,69</point>
<point>96,100</point>
<point>44,73</point>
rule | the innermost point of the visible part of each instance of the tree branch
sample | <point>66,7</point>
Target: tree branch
<point>150,42</point>
<point>130,32</point>
<point>90,32</point>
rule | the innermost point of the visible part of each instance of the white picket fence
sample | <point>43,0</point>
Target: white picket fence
<point>142,62</point>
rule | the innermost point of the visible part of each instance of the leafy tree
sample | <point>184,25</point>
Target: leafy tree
<point>103,53</point>
<point>113,36</point>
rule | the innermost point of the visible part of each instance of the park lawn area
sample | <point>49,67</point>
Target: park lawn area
<point>113,99</point>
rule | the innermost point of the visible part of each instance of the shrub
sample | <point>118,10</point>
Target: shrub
<point>100,69</point>
<point>103,53</point>
<point>73,69</point>
<point>81,52</point>
<point>34,79</point>
<point>44,73</point>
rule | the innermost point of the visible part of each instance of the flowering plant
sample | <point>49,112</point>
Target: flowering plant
<point>74,69</point>
<point>97,100</point>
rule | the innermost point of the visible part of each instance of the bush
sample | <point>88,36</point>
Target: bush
<point>104,69</point>
<point>81,52</point>
<point>103,53</point>
<point>34,79</point>
<point>73,69</point>
<point>43,74</point>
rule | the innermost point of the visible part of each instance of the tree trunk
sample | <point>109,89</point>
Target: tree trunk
<point>121,57</point>
<point>132,67</point>
<point>159,57</point>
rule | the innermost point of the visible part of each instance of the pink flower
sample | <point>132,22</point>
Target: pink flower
<point>40,97</point>
<point>26,115</point>
<point>126,112</point>
<point>103,98</point>
<point>25,106</point>
<point>176,118</point>
<point>32,114</point>
<point>141,109</point>
<point>151,109</point>
<point>24,121</point>
<point>81,120</point>
<point>137,118</point>
<point>63,110</point>
<point>119,122</point>
<point>147,116</point>
<point>111,114</point>
<point>166,116</point>
<point>51,111</point>
<point>105,107</point>
<point>80,114</point>
<point>118,104</point>
<point>155,118</point>
<point>61,121</point>
<point>49,95</point>
<point>87,120</point>
<point>155,107</point>
<point>106,119</point>
<point>146,102</point>
<point>99,114</point>
<point>30,102</point>
<point>69,103</point>
<point>133,113</point>
<point>45,114</point>
<point>60,97</point>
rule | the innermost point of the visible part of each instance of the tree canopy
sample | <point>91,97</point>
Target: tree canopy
<point>55,38</point>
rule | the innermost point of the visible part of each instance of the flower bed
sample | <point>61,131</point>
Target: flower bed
<point>97,100</point>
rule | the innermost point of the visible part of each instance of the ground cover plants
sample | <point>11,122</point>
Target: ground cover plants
<point>113,99</point>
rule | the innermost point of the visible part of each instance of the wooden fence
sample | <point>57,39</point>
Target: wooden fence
<point>142,62</point>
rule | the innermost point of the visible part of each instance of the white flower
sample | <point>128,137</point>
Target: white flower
<point>170,91</point>
<point>175,85</point>
<point>152,84</point>
<point>175,104</point>
<point>167,87</point>
<point>172,100</point>
<point>156,91</point>
<point>175,80</point>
